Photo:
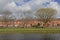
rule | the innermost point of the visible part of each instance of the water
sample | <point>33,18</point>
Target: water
<point>29,36</point>
<point>42,37</point>
<point>11,37</point>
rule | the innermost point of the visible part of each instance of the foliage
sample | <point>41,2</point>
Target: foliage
<point>46,14</point>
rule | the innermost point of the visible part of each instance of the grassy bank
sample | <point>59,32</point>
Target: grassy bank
<point>30,30</point>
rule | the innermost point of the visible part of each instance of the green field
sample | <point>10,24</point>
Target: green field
<point>30,30</point>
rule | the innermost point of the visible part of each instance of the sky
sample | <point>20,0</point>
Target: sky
<point>57,1</point>
<point>20,8</point>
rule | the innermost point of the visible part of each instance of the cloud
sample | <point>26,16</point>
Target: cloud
<point>56,6</point>
<point>11,7</point>
<point>3,3</point>
<point>20,9</point>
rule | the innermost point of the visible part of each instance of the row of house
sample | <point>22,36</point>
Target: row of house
<point>28,23</point>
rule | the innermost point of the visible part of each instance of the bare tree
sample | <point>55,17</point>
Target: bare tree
<point>26,16</point>
<point>12,18</point>
<point>6,15</point>
<point>46,14</point>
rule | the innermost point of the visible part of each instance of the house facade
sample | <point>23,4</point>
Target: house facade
<point>28,24</point>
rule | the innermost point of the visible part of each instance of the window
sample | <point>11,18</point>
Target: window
<point>58,24</point>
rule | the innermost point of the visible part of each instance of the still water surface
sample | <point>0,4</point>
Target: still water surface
<point>29,36</point>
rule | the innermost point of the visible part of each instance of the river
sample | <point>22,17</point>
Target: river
<point>29,36</point>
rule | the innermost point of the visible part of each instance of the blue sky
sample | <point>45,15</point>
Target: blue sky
<point>25,1</point>
<point>54,0</point>
<point>22,2</point>
<point>18,7</point>
<point>57,1</point>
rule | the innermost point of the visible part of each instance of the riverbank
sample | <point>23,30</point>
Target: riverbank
<point>30,30</point>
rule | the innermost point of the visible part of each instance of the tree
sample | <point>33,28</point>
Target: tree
<point>6,15</point>
<point>27,17</point>
<point>46,14</point>
<point>12,18</point>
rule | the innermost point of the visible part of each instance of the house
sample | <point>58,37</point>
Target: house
<point>28,23</point>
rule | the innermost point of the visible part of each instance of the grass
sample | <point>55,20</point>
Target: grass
<point>30,30</point>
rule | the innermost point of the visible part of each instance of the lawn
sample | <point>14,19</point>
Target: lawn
<point>30,30</point>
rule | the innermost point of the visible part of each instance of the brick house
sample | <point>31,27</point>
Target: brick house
<point>29,23</point>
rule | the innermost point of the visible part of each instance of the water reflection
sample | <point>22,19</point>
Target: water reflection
<point>29,36</point>
<point>11,37</point>
<point>42,37</point>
